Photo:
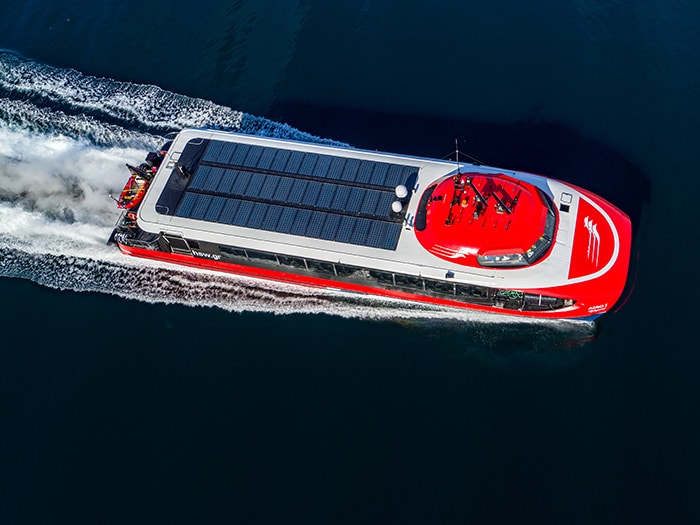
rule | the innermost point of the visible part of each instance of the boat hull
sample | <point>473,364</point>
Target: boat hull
<point>574,312</point>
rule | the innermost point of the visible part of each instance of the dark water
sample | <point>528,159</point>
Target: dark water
<point>132,394</point>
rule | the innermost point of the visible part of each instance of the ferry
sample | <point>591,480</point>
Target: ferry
<point>440,232</point>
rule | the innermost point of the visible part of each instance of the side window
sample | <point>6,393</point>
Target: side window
<point>408,281</point>
<point>382,277</point>
<point>468,290</point>
<point>321,267</point>
<point>262,256</point>
<point>230,251</point>
<point>343,270</point>
<point>440,287</point>
<point>294,262</point>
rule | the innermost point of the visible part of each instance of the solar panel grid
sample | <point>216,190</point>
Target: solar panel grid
<point>360,231</point>
<point>294,162</point>
<point>350,170</point>
<point>253,156</point>
<point>241,216</point>
<point>308,164</point>
<point>283,188</point>
<point>214,210</point>
<point>228,213</point>
<point>286,220</point>
<point>342,193</point>
<point>257,215</point>
<point>313,229</point>
<point>280,161</point>
<point>330,226</point>
<point>269,186</point>
<point>226,154</point>
<point>384,204</point>
<point>200,175</point>
<point>211,182</point>
<point>185,207</point>
<point>296,194</point>
<point>345,228</point>
<point>224,190</point>
<point>226,182</point>
<point>321,169</point>
<point>212,152</point>
<point>301,222</point>
<point>325,197</point>
<point>369,204</point>
<point>335,169</point>
<point>266,159</point>
<point>254,187</point>
<point>355,199</point>
<point>200,206</point>
<point>241,182</point>
<point>364,173</point>
<point>310,197</point>
<point>271,218</point>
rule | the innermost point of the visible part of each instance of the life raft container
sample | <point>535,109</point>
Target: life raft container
<point>133,192</point>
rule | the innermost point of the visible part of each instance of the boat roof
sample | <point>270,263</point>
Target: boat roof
<point>328,203</point>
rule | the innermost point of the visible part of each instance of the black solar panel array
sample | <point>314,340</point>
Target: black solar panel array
<point>295,221</point>
<point>308,194</point>
<point>366,172</point>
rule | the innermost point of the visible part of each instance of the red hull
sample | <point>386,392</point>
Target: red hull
<point>577,311</point>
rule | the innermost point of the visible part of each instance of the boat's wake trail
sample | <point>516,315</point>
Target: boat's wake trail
<point>64,139</point>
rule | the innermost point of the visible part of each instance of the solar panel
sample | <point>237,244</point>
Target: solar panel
<point>266,159</point>
<point>185,208</point>
<point>241,182</point>
<point>360,231</point>
<point>284,225</point>
<point>325,196</point>
<point>241,217</point>
<point>239,154</point>
<point>257,215</point>
<point>308,164</point>
<point>311,194</point>
<point>212,214</point>
<point>212,152</point>
<point>228,213</point>
<point>199,177</point>
<point>301,222</point>
<point>271,218</point>
<point>315,224</point>
<point>270,185</point>
<point>330,226</point>
<point>212,180</point>
<point>345,228</point>
<point>200,206</point>
<point>226,182</point>
<point>283,188</point>
<point>355,200</point>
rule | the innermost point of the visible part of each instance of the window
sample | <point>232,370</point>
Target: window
<point>382,277</point>
<point>321,267</point>
<point>440,287</point>
<point>408,281</point>
<point>344,270</point>
<point>230,251</point>
<point>294,262</point>
<point>262,256</point>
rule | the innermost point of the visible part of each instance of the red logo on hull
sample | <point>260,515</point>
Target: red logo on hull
<point>594,242</point>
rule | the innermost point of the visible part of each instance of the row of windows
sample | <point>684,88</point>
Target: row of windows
<point>345,271</point>
<point>469,293</point>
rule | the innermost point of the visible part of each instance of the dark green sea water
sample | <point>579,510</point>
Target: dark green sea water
<point>136,394</point>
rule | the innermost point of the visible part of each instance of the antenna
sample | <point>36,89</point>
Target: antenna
<point>459,168</point>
